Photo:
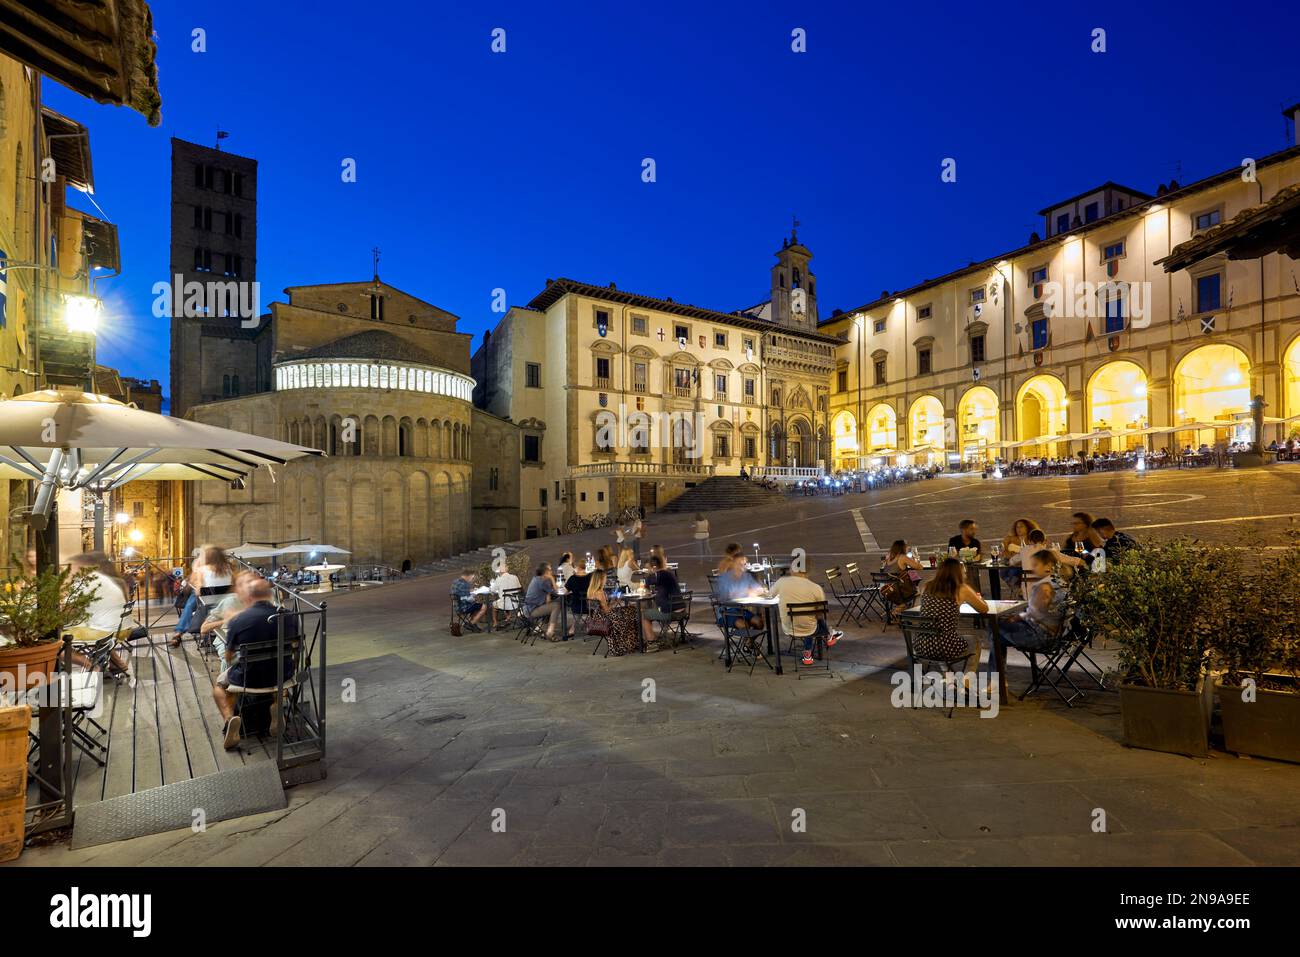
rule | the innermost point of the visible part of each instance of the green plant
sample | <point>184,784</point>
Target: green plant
<point>35,608</point>
<point>519,564</point>
<point>1161,605</point>
<point>1259,622</point>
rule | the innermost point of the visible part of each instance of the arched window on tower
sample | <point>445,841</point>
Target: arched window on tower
<point>780,277</point>
<point>794,283</point>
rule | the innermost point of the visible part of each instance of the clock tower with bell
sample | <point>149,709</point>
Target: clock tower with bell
<point>794,287</point>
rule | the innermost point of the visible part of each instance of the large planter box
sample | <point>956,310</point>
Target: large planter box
<point>1268,727</point>
<point>14,724</point>
<point>23,665</point>
<point>1162,720</point>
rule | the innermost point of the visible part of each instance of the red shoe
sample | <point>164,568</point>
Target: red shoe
<point>807,658</point>
<point>834,638</point>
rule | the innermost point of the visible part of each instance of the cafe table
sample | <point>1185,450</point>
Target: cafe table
<point>998,651</point>
<point>325,570</point>
<point>993,568</point>
<point>483,595</point>
<point>769,607</point>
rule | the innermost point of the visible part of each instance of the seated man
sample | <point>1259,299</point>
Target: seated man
<point>253,624</point>
<point>795,587</point>
<point>225,610</point>
<point>733,583</point>
<point>504,582</point>
<point>472,610</point>
<point>1114,542</point>
<point>666,589</point>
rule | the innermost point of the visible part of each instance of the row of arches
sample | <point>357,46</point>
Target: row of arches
<point>371,435</point>
<point>1210,392</point>
<point>383,517</point>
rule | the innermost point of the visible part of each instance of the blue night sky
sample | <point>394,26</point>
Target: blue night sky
<point>478,171</point>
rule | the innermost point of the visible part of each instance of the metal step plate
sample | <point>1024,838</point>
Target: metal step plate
<point>237,792</point>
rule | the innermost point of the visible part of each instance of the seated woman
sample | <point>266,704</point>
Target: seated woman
<point>941,599</point>
<point>104,616</point>
<point>666,590</point>
<point>618,620</point>
<point>1039,625</point>
<point>211,575</point>
<point>905,568</point>
<point>627,567</point>
<point>565,568</point>
<point>1013,547</point>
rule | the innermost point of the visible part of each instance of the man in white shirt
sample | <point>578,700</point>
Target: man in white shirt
<point>506,581</point>
<point>795,588</point>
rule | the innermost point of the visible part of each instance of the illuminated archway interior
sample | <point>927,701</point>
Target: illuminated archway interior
<point>1042,410</point>
<point>844,440</point>
<point>1212,384</point>
<point>1291,383</point>
<point>977,422</point>
<point>1117,400</point>
<point>882,429</point>
<point>926,423</point>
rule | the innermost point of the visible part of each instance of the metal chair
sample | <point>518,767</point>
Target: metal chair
<point>852,602</point>
<point>881,604</point>
<point>741,640</point>
<point>252,653</point>
<point>816,610</point>
<point>461,615</point>
<point>675,628</point>
<point>918,630</point>
<point>511,602</point>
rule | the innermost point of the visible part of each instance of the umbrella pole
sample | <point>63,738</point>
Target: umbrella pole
<point>99,521</point>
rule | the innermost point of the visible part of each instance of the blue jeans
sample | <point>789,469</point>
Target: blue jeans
<point>1024,635</point>
<point>820,631</point>
<point>187,614</point>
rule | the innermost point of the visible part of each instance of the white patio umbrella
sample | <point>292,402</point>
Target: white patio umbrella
<point>306,548</point>
<point>80,440</point>
<point>248,550</point>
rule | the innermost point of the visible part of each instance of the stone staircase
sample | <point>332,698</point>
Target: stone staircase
<point>454,563</point>
<point>723,491</point>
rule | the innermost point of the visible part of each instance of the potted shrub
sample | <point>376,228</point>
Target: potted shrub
<point>1258,649</point>
<point>34,610</point>
<point>1160,605</point>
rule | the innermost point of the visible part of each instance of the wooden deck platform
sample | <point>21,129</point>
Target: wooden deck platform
<point>163,727</point>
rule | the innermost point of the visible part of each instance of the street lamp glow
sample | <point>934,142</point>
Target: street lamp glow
<point>81,314</point>
<point>122,518</point>
<point>136,535</point>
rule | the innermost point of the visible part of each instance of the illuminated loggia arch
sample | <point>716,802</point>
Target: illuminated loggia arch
<point>1042,409</point>
<point>1117,399</point>
<point>1212,384</point>
<point>882,429</point>
<point>977,422</point>
<point>844,440</point>
<point>925,425</point>
<point>1291,383</point>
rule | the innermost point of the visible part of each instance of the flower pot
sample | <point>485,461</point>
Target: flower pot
<point>1268,727</point>
<point>28,662</point>
<point>1160,719</point>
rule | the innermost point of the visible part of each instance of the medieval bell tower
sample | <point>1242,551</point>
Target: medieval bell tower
<point>794,288</point>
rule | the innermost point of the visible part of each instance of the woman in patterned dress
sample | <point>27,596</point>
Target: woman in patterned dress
<point>623,618</point>
<point>941,598</point>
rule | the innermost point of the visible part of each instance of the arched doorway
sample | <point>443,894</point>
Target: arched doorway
<point>1212,385</point>
<point>1117,400</point>
<point>844,440</point>
<point>799,445</point>
<point>977,423</point>
<point>925,422</point>
<point>1042,410</point>
<point>882,429</point>
<point>1291,387</point>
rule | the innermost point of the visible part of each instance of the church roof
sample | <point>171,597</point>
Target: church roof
<point>371,344</point>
